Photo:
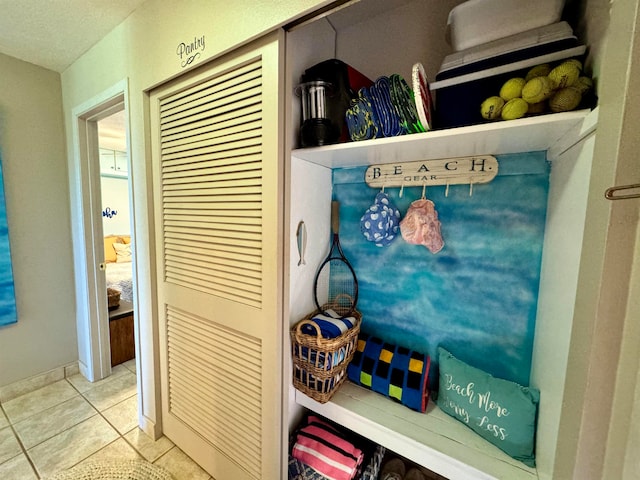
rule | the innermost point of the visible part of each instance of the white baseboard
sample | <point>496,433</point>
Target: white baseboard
<point>149,427</point>
<point>27,385</point>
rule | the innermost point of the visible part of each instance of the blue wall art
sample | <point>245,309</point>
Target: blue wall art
<point>477,297</point>
<point>109,213</point>
<point>8,313</point>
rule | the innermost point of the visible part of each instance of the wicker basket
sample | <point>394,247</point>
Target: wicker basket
<point>113,298</point>
<point>320,364</point>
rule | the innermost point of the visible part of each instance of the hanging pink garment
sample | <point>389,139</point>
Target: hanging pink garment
<point>420,225</point>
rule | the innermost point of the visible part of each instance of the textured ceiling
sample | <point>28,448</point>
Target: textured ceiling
<point>112,132</point>
<point>54,33</point>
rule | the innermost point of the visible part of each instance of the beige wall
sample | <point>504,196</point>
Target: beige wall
<point>35,176</point>
<point>142,50</point>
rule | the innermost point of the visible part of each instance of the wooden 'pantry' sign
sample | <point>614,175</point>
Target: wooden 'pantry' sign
<point>449,171</point>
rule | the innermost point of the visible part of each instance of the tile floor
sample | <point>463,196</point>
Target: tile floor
<point>72,420</point>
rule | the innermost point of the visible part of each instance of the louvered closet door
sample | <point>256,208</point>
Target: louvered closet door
<point>217,194</point>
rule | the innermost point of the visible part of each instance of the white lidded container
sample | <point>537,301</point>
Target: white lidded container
<point>476,22</point>
<point>532,43</point>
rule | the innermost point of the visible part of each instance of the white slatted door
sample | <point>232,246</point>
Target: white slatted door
<point>218,219</point>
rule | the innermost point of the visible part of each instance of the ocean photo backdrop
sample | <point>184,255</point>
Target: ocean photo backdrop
<point>478,296</point>
<point>8,313</point>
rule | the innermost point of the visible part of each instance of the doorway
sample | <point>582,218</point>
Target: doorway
<point>92,314</point>
<point>116,229</point>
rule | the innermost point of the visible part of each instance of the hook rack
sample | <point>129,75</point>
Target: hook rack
<point>448,171</point>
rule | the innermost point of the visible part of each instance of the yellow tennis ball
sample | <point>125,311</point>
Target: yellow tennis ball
<point>574,61</point>
<point>514,108</point>
<point>536,108</point>
<point>512,88</point>
<point>538,71</point>
<point>564,75</point>
<point>491,108</point>
<point>583,84</point>
<point>565,99</point>
<point>537,90</point>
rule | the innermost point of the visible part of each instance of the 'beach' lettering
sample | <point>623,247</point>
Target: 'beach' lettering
<point>473,165</point>
<point>463,391</point>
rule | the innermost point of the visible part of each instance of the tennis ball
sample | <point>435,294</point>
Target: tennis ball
<point>514,108</point>
<point>512,88</point>
<point>536,108</point>
<point>538,89</point>
<point>564,75</point>
<point>574,61</point>
<point>538,71</point>
<point>565,99</point>
<point>583,84</point>
<point>491,107</point>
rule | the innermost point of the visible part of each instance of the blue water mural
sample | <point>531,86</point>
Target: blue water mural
<point>8,313</point>
<point>477,297</point>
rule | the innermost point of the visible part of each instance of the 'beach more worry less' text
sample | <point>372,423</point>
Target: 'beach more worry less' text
<point>482,400</point>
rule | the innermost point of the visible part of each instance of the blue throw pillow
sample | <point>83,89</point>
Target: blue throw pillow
<point>396,372</point>
<point>501,411</point>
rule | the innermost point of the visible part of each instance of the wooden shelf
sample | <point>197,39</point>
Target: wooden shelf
<point>530,134</point>
<point>432,439</point>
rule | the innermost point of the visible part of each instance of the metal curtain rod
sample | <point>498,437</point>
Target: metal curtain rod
<point>611,193</point>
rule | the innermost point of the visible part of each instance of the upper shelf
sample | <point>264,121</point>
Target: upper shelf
<point>531,134</point>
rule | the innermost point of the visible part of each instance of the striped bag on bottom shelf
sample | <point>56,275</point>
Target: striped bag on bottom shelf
<point>321,451</point>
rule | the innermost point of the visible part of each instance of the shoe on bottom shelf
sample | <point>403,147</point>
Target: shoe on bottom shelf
<point>414,474</point>
<point>394,469</point>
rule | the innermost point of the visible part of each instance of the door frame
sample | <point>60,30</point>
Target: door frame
<point>92,318</point>
<point>610,423</point>
<point>604,345</point>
